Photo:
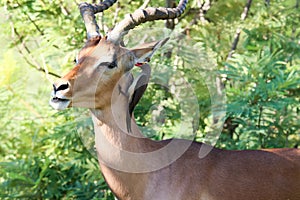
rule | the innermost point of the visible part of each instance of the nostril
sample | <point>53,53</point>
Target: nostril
<point>62,87</point>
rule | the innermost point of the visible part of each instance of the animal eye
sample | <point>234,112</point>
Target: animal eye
<point>112,65</point>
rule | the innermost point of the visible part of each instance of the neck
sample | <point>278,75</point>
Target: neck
<point>114,144</point>
<point>113,122</point>
<point>131,152</point>
<point>129,161</point>
<point>117,150</point>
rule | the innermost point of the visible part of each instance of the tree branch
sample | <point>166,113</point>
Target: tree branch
<point>145,4</point>
<point>32,21</point>
<point>259,116</point>
<point>116,13</point>
<point>244,15</point>
<point>198,15</point>
<point>220,84</point>
<point>30,63</point>
<point>170,24</point>
<point>238,30</point>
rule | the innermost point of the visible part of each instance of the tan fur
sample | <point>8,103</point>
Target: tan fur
<point>272,174</point>
<point>226,175</point>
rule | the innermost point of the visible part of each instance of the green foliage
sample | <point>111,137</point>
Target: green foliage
<point>46,154</point>
<point>263,100</point>
<point>263,85</point>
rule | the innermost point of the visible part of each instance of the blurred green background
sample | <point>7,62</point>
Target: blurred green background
<point>45,154</point>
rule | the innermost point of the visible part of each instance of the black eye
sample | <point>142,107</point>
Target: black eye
<point>112,65</point>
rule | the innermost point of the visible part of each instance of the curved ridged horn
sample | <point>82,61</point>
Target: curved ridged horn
<point>144,15</point>
<point>88,12</point>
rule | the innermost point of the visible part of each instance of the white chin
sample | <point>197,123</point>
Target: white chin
<point>59,105</point>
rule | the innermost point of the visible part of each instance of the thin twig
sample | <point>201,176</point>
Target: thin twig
<point>32,21</point>
<point>116,14</point>
<point>234,44</point>
<point>203,9</point>
<point>170,23</point>
<point>220,80</point>
<point>238,30</point>
<point>46,70</point>
<point>36,66</point>
<point>259,116</point>
<point>64,9</point>
<point>198,15</point>
<point>32,63</point>
<point>145,4</point>
<point>244,15</point>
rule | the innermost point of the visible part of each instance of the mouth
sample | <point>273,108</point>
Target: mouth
<point>59,103</point>
<point>57,100</point>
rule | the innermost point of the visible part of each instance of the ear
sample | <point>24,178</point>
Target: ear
<point>144,52</point>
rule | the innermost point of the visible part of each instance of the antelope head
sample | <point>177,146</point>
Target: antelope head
<point>103,60</point>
